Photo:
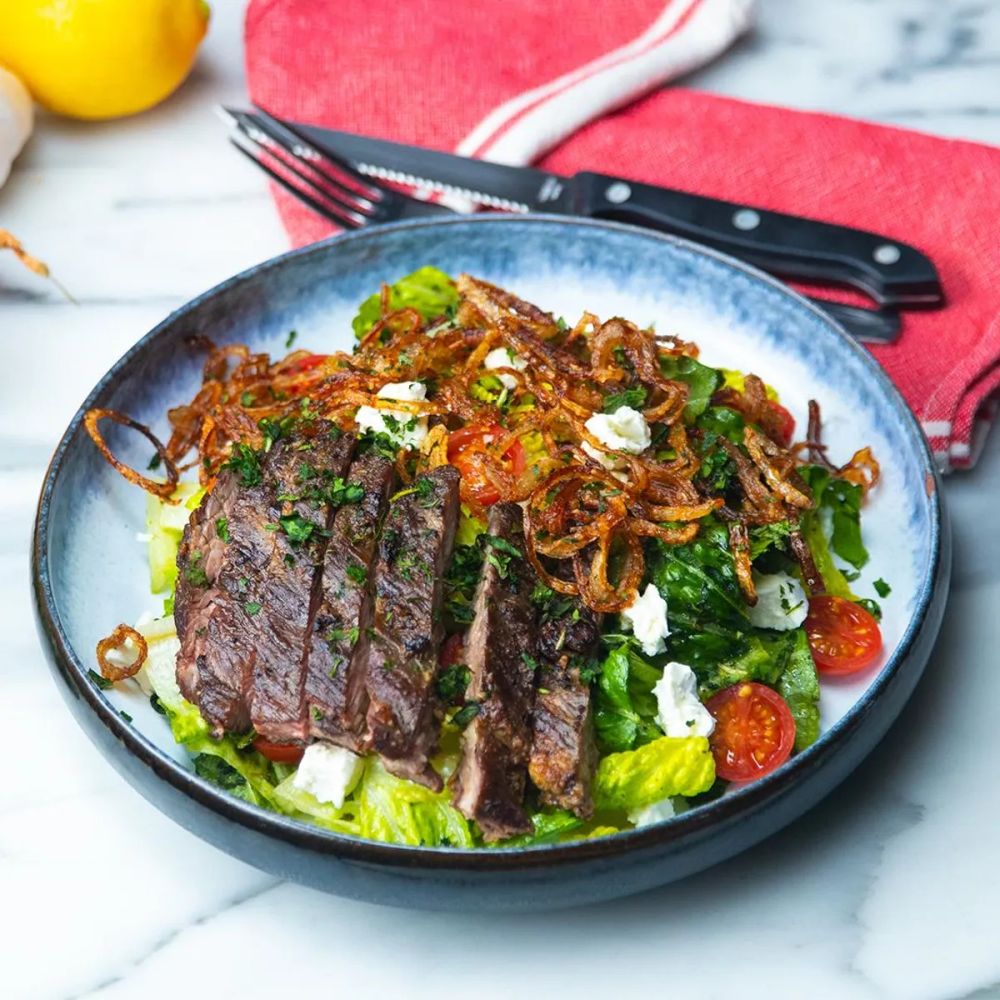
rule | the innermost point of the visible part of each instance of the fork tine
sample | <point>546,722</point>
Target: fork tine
<point>343,217</point>
<point>342,175</point>
<point>292,159</point>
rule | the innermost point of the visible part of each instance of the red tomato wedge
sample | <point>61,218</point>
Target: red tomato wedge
<point>844,638</point>
<point>280,753</point>
<point>754,731</point>
<point>782,423</point>
<point>465,442</point>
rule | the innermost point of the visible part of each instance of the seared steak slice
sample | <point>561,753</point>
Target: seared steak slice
<point>213,586</point>
<point>298,471</point>
<point>338,645</point>
<point>563,751</point>
<point>401,660</point>
<point>500,654</point>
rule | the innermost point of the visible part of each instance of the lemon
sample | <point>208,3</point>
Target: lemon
<point>101,58</point>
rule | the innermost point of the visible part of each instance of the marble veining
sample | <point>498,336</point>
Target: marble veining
<point>888,889</point>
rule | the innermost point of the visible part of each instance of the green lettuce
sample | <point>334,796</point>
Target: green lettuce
<point>843,502</point>
<point>397,811</point>
<point>430,291</point>
<point>304,805</point>
<point>658,770</point>
<point>551,826</point>
<point>799,686</point>
<point>624,705</point>
<point>701,380</point>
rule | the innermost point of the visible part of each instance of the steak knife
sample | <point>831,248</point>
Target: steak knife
<point>892,273</point>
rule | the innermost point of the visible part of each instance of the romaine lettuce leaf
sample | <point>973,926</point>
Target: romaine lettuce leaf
<point>551,826</point>
<point>430,291</point>
<point>304,805</point>
<point>397,811</point>
<point>625,707</point>
<point>666,767</point>
<point>799,686</point>
<point>165,524</point>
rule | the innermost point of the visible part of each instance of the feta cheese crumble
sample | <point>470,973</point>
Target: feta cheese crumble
<point>781,602</point>
<point>653,813</point>
<point>504,357</point>
<point>624,430</point>
<point>406,429</point>
<point>647,617</point>
<point>679,709</point>
<point>328,773</point>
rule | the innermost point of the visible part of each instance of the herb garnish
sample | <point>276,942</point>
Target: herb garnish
<point>222,528</point>
<point>245,462</point>
<point>634,398</point>
<point>99,681</point>
<point>252,607</point>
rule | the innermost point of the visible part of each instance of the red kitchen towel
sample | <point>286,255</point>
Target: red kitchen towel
<point>504,80</point>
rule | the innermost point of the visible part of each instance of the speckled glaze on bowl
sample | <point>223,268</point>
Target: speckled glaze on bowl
<point>89,572</point>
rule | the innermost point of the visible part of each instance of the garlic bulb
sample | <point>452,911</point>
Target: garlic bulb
<point>16,118</point>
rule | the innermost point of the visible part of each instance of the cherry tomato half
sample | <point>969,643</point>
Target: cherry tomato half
<point>754,731</point>
<point>452,650</point>
<point>280,753</point>
<point>844,638</point>
<point>781,423</point>
<point>468,440</point>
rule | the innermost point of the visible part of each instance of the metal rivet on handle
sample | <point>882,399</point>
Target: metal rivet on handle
<point>618,192</point>
<point>886,253</point>
<point>746,218</point>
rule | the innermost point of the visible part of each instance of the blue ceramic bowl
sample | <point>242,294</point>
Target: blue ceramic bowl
<point>90,572</point>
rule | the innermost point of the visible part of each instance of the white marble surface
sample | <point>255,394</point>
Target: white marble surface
<point>889,889</point>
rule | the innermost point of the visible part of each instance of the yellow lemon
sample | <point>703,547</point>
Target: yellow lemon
<point>101,58</point>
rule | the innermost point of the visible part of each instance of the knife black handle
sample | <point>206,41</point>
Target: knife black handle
<point>892,273</point>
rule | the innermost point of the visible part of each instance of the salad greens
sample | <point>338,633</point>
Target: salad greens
<point>710,626</point>
<point>430,291</point>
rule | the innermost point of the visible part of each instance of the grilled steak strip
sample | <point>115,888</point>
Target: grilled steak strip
<point>401,661</point>
<point>216,651</point>
<point>563,750</point>
<point>500,654</point>
<point>299,471</point>
<point>338,643</point>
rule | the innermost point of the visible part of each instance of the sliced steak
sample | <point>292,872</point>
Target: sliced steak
<point>563,750</point>
<point>401,661</point>
<point>216,651</point>
<point>338,648</point>
<point>500,654</point>
<point>298,471</point>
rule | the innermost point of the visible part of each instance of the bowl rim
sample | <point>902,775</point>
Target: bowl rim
<point>699,823</point>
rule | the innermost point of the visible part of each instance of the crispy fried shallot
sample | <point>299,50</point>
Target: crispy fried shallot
<point>117,645</point>
<point>519,432</point>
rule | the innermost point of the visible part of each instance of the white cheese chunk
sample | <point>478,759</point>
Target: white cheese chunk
<point>504,357</point>
<point>679,709</point>
<point>781,602</point>
<point>624,430</point>
<point>653,813</point>
<point>328,773</point>
<point>647,617</point>
<point>406,429</point>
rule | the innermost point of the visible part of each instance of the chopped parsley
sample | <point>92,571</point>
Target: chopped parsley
<point>154,462</point>
<point>357,573</point>
<point>424,490</point>
<point>99,681</point>
<point>299,529</point>
<point>274,430</point>
<point>252,607</point>
<point>194,572</point>
<point>635,398</point>
<point>466,714</point>
<point>290,339</point>
<point>553,606</point>
<point>882,588</point>
<point>246,399</point>
<point>379,443</point>
<point>125,715</point>
<point>245,462</point>
<point>340,634</point>
<point>500,554</point>
<point>452,682</point>
<point>529,661</point>
<point>222,528</point>
<point>317,713</point>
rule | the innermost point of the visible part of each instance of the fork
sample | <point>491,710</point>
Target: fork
<point>330,186</point>
<point>333,188</point>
